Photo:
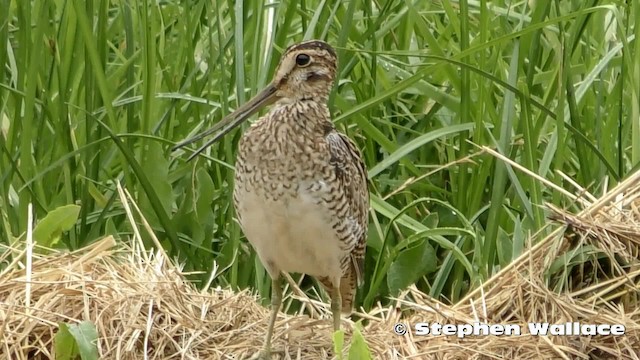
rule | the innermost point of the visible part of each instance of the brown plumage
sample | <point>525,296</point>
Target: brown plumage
<point>300,189</point>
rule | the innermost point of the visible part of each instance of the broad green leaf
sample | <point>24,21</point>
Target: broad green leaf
<point>338,343</point>
<point>359,349</point>
<point>86,337</point>
<point>48,230</point>
<point>203,215</point>
<point>410,265</point>
<point>156,167</point>
<point>431,221</point>
<point>204,195</point>
<point>65,344</point>
<point>504,247</point>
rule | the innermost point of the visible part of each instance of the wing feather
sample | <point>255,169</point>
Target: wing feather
<point>352,174</point>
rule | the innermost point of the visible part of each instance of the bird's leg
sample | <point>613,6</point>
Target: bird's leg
<point>276,300</point>
<point>336,306</point>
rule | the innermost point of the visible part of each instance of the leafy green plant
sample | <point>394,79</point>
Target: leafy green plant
<point>358,350</point>
<point>76,340</point>
<point>49,230</point>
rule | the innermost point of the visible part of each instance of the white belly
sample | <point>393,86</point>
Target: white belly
<point>292,234</point>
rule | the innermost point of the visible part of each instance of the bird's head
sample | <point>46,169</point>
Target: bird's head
<point>306,71</point>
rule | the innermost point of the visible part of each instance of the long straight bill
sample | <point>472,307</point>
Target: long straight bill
<point>231,121</point>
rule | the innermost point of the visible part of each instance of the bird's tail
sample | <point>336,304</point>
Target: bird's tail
<point>348,289</point>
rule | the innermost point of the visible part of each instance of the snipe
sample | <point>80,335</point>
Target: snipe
<point>300,190</point>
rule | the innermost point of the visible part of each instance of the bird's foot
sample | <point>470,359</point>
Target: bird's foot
<point>261,355</point>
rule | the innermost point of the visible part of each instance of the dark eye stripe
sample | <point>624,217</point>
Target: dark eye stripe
<point>314,76</point>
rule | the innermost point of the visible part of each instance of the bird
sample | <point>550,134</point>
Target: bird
<point>301,191</point>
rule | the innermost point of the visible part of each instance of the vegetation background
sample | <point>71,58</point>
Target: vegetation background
<point>96,92</point>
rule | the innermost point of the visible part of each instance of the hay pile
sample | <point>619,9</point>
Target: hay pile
<point>138,304</point>
<point>141,302</point>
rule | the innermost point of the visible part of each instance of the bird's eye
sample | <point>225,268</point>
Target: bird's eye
<point>303,60</point>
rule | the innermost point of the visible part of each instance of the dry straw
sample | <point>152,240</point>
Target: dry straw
<point>144,308</point>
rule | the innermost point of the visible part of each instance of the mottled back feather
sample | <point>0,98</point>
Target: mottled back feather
<point>347,160</point>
